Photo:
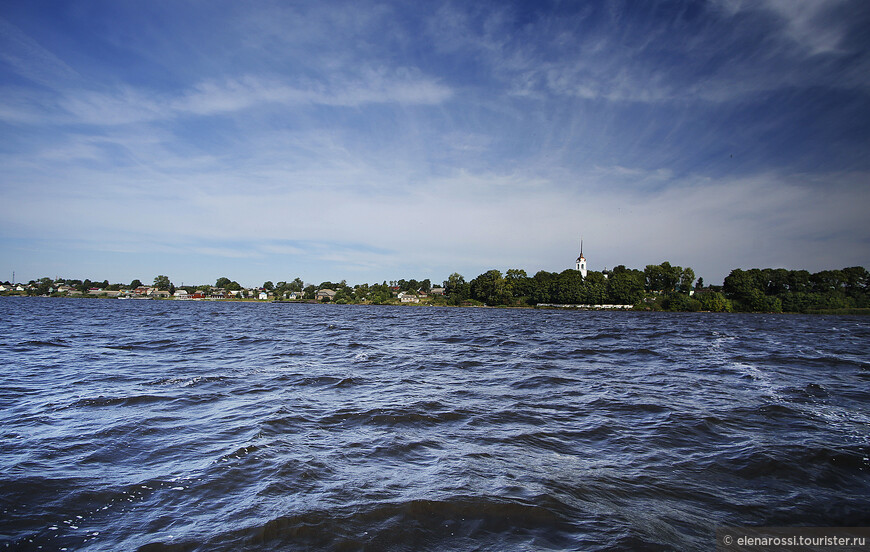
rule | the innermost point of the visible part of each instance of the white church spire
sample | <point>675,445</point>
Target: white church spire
<point>581,260</point>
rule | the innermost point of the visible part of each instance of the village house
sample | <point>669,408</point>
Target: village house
<point>406,297</point>
<point>216,293</point>
<point>324,295</point>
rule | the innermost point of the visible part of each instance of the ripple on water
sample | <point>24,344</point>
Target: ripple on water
<point>217,426</point>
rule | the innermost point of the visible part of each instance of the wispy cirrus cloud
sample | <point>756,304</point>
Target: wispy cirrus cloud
<point>696,52</point>
<point>390,140</point>
<point>31,60</point>
<point>374,86</point>
<point>817,26</point>
<point>125,105</point>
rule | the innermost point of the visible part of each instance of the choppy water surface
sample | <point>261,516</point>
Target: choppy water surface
<point>160,425</point>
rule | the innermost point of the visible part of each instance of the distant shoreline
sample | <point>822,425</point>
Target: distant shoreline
<point>543,306</point>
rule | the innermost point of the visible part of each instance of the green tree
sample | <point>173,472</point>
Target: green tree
<point>714,301</point>
<point>594,289</point>
<point>856,279</point>
<point>672,276</point>
<point>664,277</point>
<point>776,281</point>
<point>296,285</point>
<point>687,277</point>
<point>162,283</point>
<point>675,301</point>
<point>625,287</point>
<point>519,283</point>
<point>361,292</point>
<point>798,281</point>
<point>135,283</point>
<point>653,278</point>
<point>491,288</point>
<point>456,288</point>
<point>268,285</point>
<point>222,282</point>
<point>740,286</point>
<point>343,297</point>
<point>43,285</point>
<point>827,281</point>
<point>567,288</point>
<point>542,286</point>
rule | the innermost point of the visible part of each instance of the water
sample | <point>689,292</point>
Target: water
<point>160,425</point>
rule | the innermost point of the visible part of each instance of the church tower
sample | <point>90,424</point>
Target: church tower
<point>581,261</point>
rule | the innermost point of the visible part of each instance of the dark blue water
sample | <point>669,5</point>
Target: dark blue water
<point>160,425</point>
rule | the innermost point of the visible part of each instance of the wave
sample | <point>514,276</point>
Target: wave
<point>187,381</point>
<point>460,523</point>
<point>837,467</point>
<point>44,343</point>
<point>410,429</point>
<point>423,413</point>
<point>134,400</point>
<point>156,344</point>
<point>536,382</point>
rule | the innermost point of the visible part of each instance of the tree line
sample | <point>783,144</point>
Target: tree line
<point>672,288</point>
<point>656,287</point>
<point>781,290</point>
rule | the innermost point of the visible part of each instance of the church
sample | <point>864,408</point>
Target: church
<point>581,261</point>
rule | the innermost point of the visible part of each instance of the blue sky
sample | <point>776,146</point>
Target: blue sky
<point>372,141</point>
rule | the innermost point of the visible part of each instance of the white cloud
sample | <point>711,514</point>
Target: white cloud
<point>258,163</point>
<point>471,222</point>
<point>127,105</point>
<point>121,106</point>
<point>808,23</point>
<point>403,86</point>
<point>30,60</point>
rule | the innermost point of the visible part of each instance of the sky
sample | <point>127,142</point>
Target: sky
<point>371,141</point>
